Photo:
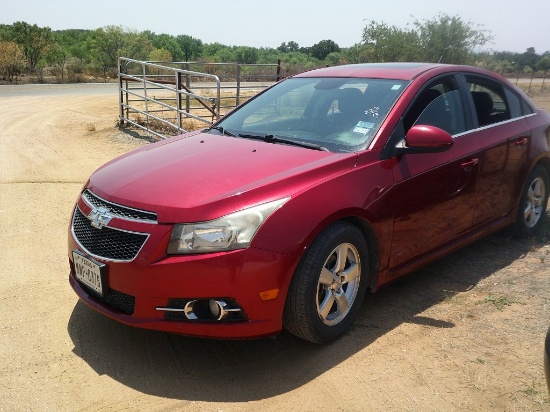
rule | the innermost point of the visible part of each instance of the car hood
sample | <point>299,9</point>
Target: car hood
<point>200,177</point>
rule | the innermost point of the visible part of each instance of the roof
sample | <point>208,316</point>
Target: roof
<point>396,71</point>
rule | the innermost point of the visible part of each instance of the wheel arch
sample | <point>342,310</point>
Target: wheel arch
<point>298,317</point>
<point>369,233</point>
<point>545,163</point>
<point>528,205</point>
<point>373,247</point>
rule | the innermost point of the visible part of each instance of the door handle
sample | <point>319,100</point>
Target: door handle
<point>467,166</point>
<point>520,142</point>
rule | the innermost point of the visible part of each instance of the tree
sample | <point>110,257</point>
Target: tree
<point>291,46</point>
<point>295,62</point>
<point>168,43</point>
<point>225,55</point>
<point>544,65</point>
<point>445,39</point>
<point>5,32</point>
<point>528,58</point>
<point>246,55</point>
<point>12,60</point>
<point>112,42</point>
<point>76,42</point>
<point>210,50</point>
<point>57,56</point>
<point>448,39</point>
<point>190,47</point>
<point>33,40</point>
<point>390,43</point>
<point>160,55</point>
<point>333,59</point>
<point>358,53</point>
<point>322,49</point>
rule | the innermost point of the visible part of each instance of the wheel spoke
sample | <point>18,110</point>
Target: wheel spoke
<point>326,305</point>
<point>531,194</point>
<point>350,274</point>
<point>538,193</point>
<point>327,277</point>
<point>342,303</point>
<point>341,256</point>
<point>528,214</point>
<point>535,194</point>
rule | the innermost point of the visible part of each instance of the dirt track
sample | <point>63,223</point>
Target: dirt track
<point>465,333</point>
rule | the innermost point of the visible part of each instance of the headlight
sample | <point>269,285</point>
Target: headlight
<point>234,231</point>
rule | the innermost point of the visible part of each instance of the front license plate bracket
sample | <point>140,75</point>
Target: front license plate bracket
<point>90,273</point>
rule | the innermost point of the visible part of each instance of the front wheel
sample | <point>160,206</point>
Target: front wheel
<point>328,285</point>
<point>533,202</point>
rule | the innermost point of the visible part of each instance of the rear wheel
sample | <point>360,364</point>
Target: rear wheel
<point>328,285</point>
<point>533,202</point>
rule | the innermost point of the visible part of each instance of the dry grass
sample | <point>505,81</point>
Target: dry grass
<point>539,95</point>
<point>91,127</point>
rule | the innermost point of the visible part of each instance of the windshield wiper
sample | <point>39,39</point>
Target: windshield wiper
<point>222,130</point>
<point>270,138</point>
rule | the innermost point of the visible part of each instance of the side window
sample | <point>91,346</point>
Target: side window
<point>438,105</point>
<point>525,108</point>
<point>490,101</point>
<point>514,103</point>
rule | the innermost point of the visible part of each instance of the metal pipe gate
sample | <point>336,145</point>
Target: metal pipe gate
<point>164,98</point>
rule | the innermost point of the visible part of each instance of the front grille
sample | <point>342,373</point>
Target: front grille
<point>119,211</point>
<point>107,243</point>
<point>114,300</point>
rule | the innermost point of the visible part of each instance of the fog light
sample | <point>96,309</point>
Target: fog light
<point>215,308</point>
<point>189,310</point>
<point>203,310</point>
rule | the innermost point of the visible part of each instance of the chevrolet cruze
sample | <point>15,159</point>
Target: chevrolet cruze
<point>286,211</point>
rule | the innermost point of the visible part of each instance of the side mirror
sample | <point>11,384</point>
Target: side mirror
<point>425,139</point>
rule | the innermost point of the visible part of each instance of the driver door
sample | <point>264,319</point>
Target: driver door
<point>434,193</point>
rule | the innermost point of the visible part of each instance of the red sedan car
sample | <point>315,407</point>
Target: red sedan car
<point>286,211</point>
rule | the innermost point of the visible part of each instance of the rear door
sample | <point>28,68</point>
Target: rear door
<point>504,136</point>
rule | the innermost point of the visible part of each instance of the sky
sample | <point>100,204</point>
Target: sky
<point>514,24</point>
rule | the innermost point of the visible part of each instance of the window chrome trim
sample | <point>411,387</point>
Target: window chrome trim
<point>503,122</point>
<point>466,132</point>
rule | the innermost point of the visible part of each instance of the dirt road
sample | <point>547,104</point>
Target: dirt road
<point>465,333</point>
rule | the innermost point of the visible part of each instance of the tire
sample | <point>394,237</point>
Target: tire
<point>321,305</point>
<point>533,202</point>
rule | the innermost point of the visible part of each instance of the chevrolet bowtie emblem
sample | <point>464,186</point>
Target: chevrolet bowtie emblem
<point>100,217</point>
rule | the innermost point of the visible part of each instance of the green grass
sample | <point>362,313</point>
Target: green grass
<point>498,301</point>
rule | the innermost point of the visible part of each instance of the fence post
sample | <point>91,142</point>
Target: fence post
<point>178,102</point>
<point>145,98</point>
<point>188,85</point>
<point>120,96</point>
<point>238,98</point>
<point>278,69</point>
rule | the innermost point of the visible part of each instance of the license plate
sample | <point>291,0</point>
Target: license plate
<point>89,272</point>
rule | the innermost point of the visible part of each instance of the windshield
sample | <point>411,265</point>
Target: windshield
<point>335,114</point>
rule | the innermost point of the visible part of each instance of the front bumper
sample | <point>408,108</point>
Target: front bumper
<point>135,292</point>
